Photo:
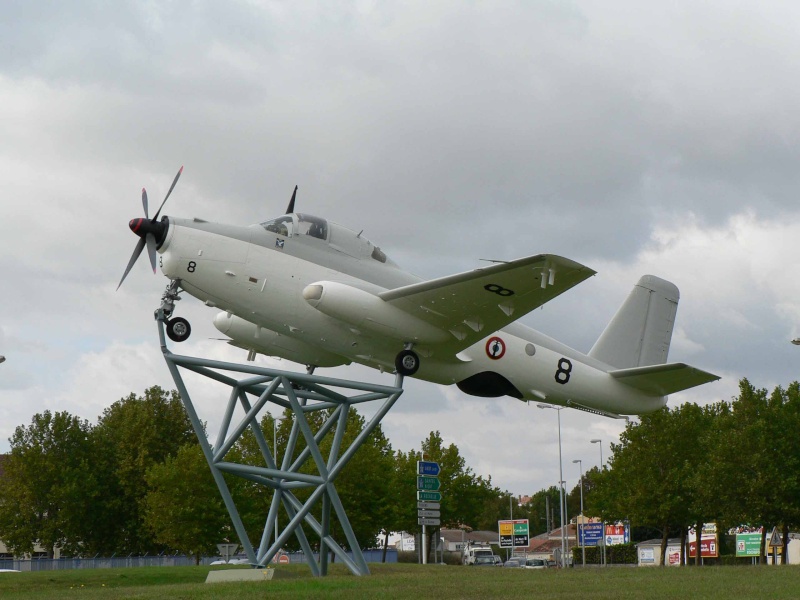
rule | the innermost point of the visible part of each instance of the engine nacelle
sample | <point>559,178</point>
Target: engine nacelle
<point>366,311</point>
<point>271,343</point>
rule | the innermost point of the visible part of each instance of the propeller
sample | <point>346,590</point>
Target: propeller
<point>150,231</point>
<point>290,209</point>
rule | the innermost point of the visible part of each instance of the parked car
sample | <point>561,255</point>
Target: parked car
<point>483,561</point>
<point>536,563</point>
<point>514,563</point>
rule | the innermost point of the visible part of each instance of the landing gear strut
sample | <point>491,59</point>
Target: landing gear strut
<point>178,329</point>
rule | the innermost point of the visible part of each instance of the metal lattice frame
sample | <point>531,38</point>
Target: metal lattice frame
<point>302,394</point>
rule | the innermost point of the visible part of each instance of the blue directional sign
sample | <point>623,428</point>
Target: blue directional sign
<point>592,533</point>
<point>427,468</point>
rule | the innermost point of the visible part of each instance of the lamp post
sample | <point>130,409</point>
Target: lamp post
<point>598,441</point>
<point>583,519</point>
<point>560,479</point>
<point>277,465</point>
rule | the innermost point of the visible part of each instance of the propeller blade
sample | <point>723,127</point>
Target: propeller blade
<point>144,203</point>
<point>151,249</point>
<point>172,187</point>
<point>136,252</point>
<point>290,209</point>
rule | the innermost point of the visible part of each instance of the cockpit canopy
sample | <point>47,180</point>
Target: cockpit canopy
<point>337,237</point>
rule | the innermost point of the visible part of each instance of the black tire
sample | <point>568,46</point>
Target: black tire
<point>407,363</point>
<point>178,329</point>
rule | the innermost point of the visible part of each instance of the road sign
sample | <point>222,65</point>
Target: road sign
<point>775,539</point>
<point>427,468</point>
<point>425,482</point>
<point>429,513</point>
<point>227,550</point>
<point>427,521</point>
<point>513,533</point>
<point>284,559</point>
<point>429,505</point>
<point>430,496</point>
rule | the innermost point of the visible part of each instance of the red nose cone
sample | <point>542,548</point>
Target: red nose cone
<point>134,224</point>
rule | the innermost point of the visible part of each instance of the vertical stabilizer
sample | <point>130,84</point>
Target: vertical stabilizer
<point>640,332</point>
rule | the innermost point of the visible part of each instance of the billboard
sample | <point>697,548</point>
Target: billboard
<point>591,533</point>
<point>709,547</point>
<point>748,544</point>
<point>594,535</point>
<point>618,533</point>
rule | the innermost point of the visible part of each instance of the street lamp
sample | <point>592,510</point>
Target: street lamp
<point>583,519</point>
<point>604,523</point>
<point>560,479</point>
<point>601,451</point>
<point>275,420</point>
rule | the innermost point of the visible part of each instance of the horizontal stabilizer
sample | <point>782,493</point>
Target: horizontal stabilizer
<point>662,380</point>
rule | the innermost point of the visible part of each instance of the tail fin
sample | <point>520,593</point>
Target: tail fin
<point>640,332</point>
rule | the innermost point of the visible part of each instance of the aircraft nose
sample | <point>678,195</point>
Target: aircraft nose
<point>135,225</point>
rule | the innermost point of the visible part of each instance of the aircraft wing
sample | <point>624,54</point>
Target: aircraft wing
<point>477,303</point>
<point>662,380</point>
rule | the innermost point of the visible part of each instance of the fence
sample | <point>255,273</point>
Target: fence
<point>57,564</point>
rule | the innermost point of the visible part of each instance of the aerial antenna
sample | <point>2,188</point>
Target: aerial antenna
<point>491,260</point>
<point>290,209</point>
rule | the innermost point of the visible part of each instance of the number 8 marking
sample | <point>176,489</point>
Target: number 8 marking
<point>564,369</point>
<point>192,266</point>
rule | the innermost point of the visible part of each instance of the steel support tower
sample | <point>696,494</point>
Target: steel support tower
<point>255,388</point>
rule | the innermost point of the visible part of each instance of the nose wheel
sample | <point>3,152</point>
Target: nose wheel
<point>406,362</point>
<point>178,329</point>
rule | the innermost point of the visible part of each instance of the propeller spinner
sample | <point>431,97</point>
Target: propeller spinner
<point>148,230</point>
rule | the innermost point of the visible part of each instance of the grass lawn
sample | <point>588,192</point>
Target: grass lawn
<point>412,581</point>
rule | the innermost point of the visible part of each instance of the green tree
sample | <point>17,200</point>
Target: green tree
<point>49,489</point>
<point>132,435</point>
<point>183,508</point>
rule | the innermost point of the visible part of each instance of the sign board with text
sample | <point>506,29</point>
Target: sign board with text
<point>513,533</point>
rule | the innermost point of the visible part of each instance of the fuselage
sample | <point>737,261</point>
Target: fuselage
<point>257,274</point>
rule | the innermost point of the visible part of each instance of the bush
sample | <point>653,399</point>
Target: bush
<point>620,554</point>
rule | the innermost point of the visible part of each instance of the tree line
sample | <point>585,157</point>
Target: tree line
<point>136,482</point>
<point>734,463</point>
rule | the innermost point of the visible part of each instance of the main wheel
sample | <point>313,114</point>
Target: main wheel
<point>178,329</point>
<point>407,362</point>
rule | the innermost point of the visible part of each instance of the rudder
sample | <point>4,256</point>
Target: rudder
<point>641,330</point>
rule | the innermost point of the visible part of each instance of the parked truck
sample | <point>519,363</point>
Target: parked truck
<point>475,549</point>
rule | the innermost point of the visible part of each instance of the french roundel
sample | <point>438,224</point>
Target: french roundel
<point>495,348</point>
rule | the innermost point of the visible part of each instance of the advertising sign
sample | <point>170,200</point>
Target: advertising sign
<point>674,556</point>
<point>709,547</point>
<point>647,556</point>
<point>513,533</point>
<point>592,533</point>
<point>748,544</point>
<point>619,533</point>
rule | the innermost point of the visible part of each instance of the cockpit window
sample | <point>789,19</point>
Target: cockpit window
<point>313,226</point>
<point>281,225</point>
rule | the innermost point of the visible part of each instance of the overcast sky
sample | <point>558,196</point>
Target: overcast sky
<point>632,137</point>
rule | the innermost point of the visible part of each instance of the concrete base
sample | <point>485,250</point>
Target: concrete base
<point>225,575</point>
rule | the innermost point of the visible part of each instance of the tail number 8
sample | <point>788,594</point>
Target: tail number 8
<point>564,369</point>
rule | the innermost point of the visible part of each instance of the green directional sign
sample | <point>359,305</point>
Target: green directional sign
<point>429,496</point>
<point>428,483</point>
